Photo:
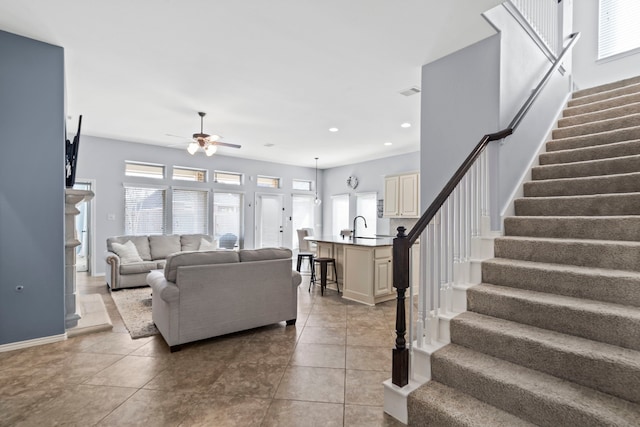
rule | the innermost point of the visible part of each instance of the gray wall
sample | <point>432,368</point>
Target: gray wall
<point>522,66</point>
<point>370,179</point>
<point>460,103</point>
<point>588,70</point>
<point>31,189</point>
<point>478,90</point>
<point>103,160</point>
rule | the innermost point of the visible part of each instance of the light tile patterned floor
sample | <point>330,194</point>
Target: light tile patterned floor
<point>326,370</point>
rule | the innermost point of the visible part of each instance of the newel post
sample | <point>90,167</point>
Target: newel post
<point>400,370</point>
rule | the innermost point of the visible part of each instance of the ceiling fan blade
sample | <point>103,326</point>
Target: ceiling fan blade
<point>226,144</point>
<point>178,136</point>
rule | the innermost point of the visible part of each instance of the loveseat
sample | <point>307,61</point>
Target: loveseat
<point>206,294</point>
<point>129,263</point>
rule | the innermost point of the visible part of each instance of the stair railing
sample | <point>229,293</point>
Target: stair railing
<point>543,17</point>
<point>451,219</point>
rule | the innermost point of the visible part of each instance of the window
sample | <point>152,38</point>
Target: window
<point>340,213</point>
<point>227,215</point>
<point>367,206</point>
<point>190,211</point>
<point>302,214</point>
<point>268,182</point>
<point>301,184</point>
<point>144,170</point>
<point>144,210</point>
<point>189,174</point>
<point>231,178</point>
<point>618,28</point>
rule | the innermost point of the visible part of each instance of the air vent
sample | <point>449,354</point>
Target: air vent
<point>411,91</point>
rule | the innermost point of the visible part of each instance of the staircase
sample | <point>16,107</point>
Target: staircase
<point>552,335</point>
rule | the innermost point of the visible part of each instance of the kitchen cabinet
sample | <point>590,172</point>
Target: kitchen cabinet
<point>368,274</point>
<point>402,196</point>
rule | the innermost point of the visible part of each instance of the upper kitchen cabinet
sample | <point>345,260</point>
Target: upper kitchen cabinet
<point>401,196</point>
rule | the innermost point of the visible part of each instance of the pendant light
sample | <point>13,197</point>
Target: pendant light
<point>317,201</point>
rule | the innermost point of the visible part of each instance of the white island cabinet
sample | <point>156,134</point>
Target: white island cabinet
<point>365,267</point>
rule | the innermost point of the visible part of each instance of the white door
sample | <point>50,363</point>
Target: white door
<point>269,220</point>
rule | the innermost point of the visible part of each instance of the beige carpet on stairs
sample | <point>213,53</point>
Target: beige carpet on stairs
<point>552,336</point>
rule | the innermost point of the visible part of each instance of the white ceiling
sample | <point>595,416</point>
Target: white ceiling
<point>276,72</point>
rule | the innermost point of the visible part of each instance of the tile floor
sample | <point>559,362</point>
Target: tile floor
<point>327,370</point>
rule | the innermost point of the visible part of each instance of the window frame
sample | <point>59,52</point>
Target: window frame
<point>207,214</point>
<point>165,196</point>
<point>632,14</point>
<point>205,173</point>
<point>238,174</point>
<point>272,178</point>
<point>142,175</point>
<point>305,181</point>
<point>241,214</point>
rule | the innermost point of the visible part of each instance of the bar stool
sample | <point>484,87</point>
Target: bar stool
<point>310,256</point>
<point>324,262</point>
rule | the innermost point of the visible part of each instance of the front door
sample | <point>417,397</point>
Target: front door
<point>269,220</point>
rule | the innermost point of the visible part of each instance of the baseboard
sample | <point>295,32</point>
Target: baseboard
<point>32,343</point>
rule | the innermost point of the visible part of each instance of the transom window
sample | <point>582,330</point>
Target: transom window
<point>144,170</point>
<point>268,181</point>
<point>301,184</point>
<point>231,178</point>
<point>189,174</point>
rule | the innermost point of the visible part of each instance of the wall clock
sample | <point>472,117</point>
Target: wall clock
<point>352,182</point>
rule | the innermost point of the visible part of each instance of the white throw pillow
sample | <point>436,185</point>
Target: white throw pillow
<point>127,252</point>
<point>206,245</point>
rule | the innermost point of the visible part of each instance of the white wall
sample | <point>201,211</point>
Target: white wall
<point>103,160</point>
<point>370,176</point>
<point>588,71</point>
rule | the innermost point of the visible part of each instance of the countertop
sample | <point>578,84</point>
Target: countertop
<point>358,241</point>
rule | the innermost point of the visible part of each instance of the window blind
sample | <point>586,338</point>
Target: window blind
<point>227,214</point>
<point>367,206</point>
<point>340,213</point>
<point>190,211</point>
<point>144,210</point>
<point>619,27</point>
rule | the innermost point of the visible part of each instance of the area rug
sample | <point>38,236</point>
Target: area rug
<point>134,306</point>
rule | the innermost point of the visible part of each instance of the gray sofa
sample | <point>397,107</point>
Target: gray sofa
<point>206,294</point>
<point>152,250</point>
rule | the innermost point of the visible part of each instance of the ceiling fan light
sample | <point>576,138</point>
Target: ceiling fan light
<point>192,148</point>
<point>210,150</point>
<point>214,137</point>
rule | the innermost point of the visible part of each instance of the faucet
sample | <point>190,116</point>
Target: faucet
<point>354,224</point>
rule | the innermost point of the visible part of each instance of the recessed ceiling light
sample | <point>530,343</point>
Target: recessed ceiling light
<point>405,125</point>
<point>333,129</point>
<point>388,143</point>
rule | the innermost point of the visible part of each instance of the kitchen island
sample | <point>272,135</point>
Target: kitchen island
<point>364,265</point>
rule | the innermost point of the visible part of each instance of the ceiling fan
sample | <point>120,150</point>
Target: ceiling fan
<point>205,141</point>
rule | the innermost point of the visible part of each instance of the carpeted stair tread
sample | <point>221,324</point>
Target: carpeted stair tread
<point>601,105</point>
<point>586,205</point>
<point>575,227</point>
<point>435,404</point>
<point>605,87</point>
<point>603,367</point>
<point>613,254</point>
<point>609,113</point>
<point>617,165</point>
<point>534,396</point>
<point>597,284</point>
<point>609,323</point>
<point>607,94</point>
<point>616,149</point>
<point>601,138</point>
<point>620,183</point>
<point>619,122</point>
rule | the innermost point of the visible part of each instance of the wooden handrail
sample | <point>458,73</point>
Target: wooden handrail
<point>402,243</point>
